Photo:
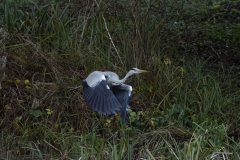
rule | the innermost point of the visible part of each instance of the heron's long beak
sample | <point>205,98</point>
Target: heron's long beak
<point>142,71</point>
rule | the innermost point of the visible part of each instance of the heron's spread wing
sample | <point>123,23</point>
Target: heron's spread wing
<point>123,94</point>
<point>99,96</point>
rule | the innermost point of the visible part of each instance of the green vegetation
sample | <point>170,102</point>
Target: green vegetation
<point>185,107</point>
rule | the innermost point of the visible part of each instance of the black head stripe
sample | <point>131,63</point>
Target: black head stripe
<point>134,69</point>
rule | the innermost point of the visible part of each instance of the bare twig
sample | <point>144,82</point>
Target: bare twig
<point>73,88</point>
<point>215,52</point>
<point>3,62</point>
<point>53,147</point>
<point>110,36</point>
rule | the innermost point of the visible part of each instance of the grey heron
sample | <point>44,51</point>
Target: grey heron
<point>105,93</point>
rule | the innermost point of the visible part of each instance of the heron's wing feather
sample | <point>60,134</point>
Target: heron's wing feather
<point>123,94</point>
<point>99,96</point>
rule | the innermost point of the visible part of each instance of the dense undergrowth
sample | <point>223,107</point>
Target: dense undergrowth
<point>185,107</point>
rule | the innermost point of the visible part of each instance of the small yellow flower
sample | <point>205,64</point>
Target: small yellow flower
<point>150,89</point>
<point>26,81</point>
<point>168,61</point>
<point>56,126</point>
<point>152,121</point>
<point>107,123</point>
<point>117,116</point>
<point>7,107</point>
<point>49,111</point>
<point>134,91</point>
<point>18,151</point>
<point>17,119</point>
<point>17,80</point>
<point>71,129</point>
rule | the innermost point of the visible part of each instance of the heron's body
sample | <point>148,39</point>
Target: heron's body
<point>105,93</point>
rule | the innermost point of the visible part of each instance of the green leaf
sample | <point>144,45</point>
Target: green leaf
<point>49,111</point>
<point>133,114</point>
<point>35,112</point>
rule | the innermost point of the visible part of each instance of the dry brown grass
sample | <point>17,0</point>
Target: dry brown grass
<point>50,79</point>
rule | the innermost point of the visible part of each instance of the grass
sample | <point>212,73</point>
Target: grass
<point>186,107</point>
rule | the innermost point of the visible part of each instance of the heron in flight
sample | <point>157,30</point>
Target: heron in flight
<point>105,93</point>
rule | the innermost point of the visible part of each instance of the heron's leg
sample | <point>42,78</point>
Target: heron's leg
<point>127,88</point>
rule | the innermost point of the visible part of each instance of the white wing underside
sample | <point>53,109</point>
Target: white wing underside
<point>94,78</point>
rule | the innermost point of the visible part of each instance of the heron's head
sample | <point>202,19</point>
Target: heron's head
<point>136,71</point>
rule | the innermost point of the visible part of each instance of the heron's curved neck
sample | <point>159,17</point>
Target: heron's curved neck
<point>126,77</point>
<point>121,81</point>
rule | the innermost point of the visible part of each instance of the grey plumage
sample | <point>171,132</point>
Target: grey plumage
<point>105,93</point>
